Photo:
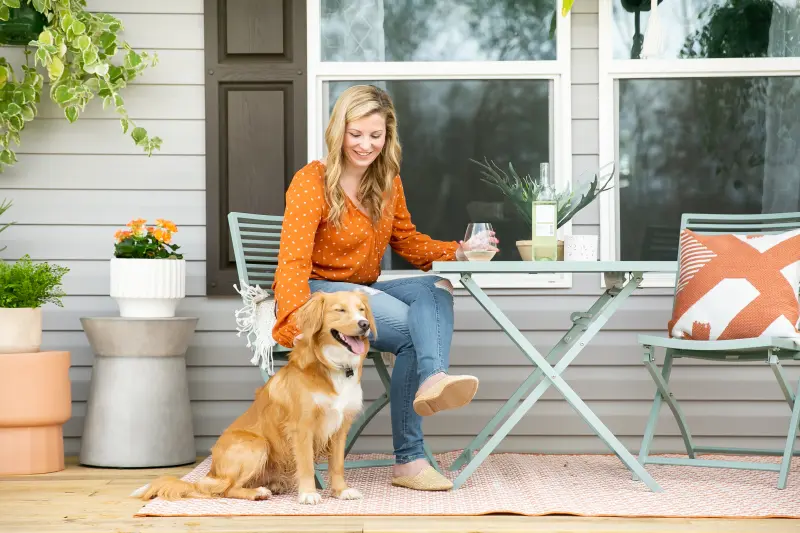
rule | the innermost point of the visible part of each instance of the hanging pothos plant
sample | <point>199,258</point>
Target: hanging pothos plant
<point>78,49</point>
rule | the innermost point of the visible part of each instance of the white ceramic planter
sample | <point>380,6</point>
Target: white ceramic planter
<point>148,288</point>
<point>20,330</point>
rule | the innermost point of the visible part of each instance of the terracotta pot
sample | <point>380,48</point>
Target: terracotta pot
<point>525,251</point>
<point>20,330</point>
<point>147,288</point>
<point>35,402</point>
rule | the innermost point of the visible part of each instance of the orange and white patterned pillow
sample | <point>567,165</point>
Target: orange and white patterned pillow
<point>737,286</point>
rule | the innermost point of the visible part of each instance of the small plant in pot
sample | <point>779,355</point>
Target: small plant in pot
<point>25,287</point>
<point>148,275</point>
<point>523,191</point>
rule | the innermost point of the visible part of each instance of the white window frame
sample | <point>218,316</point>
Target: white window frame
<point>611,70</point>
<point>557,71</point>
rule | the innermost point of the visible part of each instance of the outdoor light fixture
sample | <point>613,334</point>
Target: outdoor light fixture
<point>649,44</point>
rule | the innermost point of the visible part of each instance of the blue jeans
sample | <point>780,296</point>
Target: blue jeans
<point>414,319</point>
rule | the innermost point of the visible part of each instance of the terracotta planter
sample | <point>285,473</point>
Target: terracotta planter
<point>148,288</point>
<point>20,330</point>
<point>35,402</point>
<point>525,251</point>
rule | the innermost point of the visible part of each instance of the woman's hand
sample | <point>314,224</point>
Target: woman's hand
<point>484,240</point>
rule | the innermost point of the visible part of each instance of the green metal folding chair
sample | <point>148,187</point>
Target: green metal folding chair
<point>256,241</point>
<point>770,350</point>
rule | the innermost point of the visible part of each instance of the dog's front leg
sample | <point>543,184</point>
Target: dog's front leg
<point>303,445</point>
<point>339,488</point>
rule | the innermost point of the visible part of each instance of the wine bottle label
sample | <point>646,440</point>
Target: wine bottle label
<point>546,214</point>
<point>544,230</point>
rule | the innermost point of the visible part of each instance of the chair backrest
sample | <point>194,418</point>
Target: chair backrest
<point>256,239</point>
<point>746,224</point>
<point>742,224</point>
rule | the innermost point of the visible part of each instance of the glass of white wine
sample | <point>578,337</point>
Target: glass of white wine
<point>480,242</point>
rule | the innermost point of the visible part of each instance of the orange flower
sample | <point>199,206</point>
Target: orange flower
<point>121,235</point>
<point>166,224</point>
<point>137,227</point>
<point>162,235</point>
<point>136,223</point>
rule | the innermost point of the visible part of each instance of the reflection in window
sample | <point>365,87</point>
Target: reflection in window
<point>703,145</point>
<point>710,28</point>
<point>442,125</point>
<point>438,30</point>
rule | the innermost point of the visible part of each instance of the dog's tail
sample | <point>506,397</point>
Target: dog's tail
<point>172,488</point>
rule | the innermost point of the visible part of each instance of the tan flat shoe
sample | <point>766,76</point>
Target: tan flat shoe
<point>427,479</point>
<point>451,392</point>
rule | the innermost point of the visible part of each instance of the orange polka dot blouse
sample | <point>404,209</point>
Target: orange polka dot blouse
<point>311,248</point>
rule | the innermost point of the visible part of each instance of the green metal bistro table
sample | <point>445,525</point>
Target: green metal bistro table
<point>621,279</point>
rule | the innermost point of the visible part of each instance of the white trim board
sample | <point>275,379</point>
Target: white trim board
<point>558,71</point>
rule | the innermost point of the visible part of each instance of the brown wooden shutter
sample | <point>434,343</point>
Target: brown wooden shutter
<point>255,62</point>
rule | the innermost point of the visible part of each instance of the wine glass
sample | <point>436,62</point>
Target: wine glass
<point>479,242</point>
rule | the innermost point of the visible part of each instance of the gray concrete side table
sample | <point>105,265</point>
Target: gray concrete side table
<point>138,414</point>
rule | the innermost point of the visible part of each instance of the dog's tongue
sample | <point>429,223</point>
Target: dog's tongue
<point>355,343</point>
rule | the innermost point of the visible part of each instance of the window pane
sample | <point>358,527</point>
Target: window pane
<point>444,124</point>
<point>703,145</point>
<point>711,28</point>
<point>437,30</point>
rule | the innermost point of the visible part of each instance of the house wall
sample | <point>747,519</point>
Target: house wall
<point>76,184</point>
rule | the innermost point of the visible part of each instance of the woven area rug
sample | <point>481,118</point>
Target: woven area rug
<point>533,485</point>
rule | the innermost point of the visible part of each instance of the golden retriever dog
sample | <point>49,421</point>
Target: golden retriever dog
<point>303,412</point>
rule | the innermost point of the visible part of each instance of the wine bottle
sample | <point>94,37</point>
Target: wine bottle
<point>544,240</point>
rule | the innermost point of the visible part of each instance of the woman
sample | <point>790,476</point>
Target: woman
<point>339,218</point>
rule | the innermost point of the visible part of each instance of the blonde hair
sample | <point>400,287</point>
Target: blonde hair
<point>356,103</point>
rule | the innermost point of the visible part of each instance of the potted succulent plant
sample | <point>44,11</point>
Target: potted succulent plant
<point>522,191</point>
<point>35,397</point>
<point>148,275</point>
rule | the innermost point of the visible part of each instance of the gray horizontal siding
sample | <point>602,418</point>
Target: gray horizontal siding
<point>70,186</point>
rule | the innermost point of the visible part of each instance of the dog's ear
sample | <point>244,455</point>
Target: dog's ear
<point>368,310</point>
<point>309,317</point>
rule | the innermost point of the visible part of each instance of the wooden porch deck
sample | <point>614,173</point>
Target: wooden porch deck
<point>81,499</point>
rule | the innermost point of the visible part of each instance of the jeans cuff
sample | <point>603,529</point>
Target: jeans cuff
<point>408,457</point>
<point>438,370</point>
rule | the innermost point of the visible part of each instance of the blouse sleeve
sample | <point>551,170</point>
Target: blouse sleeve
<point>302,216</point>
<point>417,248</point>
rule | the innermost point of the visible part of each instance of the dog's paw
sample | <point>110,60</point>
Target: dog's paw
<point>309,498</point>
<point>350,494</point>
<point>263,494</point>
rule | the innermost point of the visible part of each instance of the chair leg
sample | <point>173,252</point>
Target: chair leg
<point>431,459</point>
<point>662,381</point>
<point>663,393</point>
<point>374,408</point>
<point>318,480</point>
<point>790,439</point>
<point>364,419</point>
<point>655,409</point>
<point>780,375</point>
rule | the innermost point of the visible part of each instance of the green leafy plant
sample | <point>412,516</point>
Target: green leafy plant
<point>522,191</point>
<point>27,284</point>
<point>78,49</point>
<point>4,206</point>
<point>147,242</point>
